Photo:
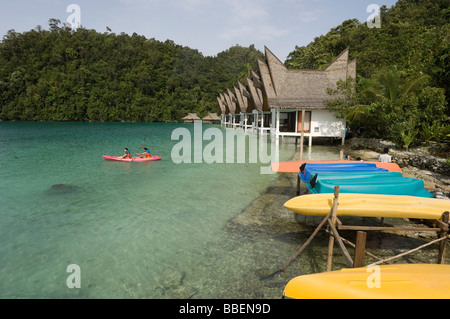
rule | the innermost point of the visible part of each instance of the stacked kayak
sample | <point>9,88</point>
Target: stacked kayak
<point>292,167</point>
<point>132,159</point>
<point>386,282</point>
<point>370,205</point>
<point>306,170</point>
<point>361,178</point>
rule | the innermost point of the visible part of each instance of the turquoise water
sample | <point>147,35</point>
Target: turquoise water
<point>151,230</point>
<point>132,228</point>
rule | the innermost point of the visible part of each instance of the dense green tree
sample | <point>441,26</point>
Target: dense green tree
<point>402,89</point>
<point>65,75</point>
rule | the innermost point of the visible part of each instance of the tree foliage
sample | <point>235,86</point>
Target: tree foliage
<point>402,89</point>
<point>65,75</point>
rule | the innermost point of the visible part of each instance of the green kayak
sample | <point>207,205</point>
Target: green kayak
<point>384,184</point>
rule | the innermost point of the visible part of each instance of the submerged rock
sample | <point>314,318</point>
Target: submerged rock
<point>172,279</point>
<point>183,292</point>
<point>62,189</point>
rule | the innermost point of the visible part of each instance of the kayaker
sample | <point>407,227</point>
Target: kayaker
<point>146,153</point>
<point>127,153</point>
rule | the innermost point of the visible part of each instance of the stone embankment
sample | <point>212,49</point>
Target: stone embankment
<point>416,158</point>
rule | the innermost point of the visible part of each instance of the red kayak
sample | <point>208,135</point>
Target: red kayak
<point>133,159</point>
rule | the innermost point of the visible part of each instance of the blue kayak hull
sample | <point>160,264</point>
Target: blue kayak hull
<point>355,175</point>
<point>380,185</point>
<point>311,169</point>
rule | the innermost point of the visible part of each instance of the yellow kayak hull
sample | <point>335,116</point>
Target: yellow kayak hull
<point>369,205</point>
<point>381,282</point>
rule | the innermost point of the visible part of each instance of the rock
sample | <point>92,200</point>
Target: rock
<point>62,189</point>
<point>419,158</point>
<point>172,279</point>
<point>183,292</point>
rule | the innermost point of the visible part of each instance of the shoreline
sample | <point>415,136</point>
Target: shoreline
<point>265,222</point>
<point>259,214</point>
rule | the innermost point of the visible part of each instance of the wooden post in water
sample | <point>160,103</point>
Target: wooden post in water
<point>360,249</point>
<point>333,222</point>
<point>443,233</point>
<point>324,221</point>
<point>302,140</point>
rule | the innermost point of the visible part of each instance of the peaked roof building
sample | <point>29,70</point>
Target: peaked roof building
<point>191,118</point>
<point>298,89</point>
<point>288,102</point>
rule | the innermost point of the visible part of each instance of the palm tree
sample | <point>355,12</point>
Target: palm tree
<point>391,88</point>
<point>394,93</point>
<point>245,73</point>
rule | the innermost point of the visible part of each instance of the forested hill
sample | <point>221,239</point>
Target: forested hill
<point>64,75</point>
<point>414,37</point>
<point>402,89</point>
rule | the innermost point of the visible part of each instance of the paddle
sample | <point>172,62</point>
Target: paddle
<point>142,143</point>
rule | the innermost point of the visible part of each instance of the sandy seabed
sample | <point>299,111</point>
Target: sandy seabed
<point>271,235</point>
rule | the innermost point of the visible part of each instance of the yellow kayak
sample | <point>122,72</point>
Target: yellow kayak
<point>369,205</point>
<point>410,281</point>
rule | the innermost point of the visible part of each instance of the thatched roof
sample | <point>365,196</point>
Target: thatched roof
<point>212,117</point>
<point>231,102</point>
<point>222,104</point>
<point>191,117</point>
<point>278,87</point>
<point>286,88</point>
<point>242,98</point>
<point>255,89</point>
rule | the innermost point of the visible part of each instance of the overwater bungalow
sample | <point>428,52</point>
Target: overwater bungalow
<point>233,109</point>
<point>261,112</point>
<point>288,102</point>
<point>292,94</point>
<point>246,116</point>
<point>223,109</point>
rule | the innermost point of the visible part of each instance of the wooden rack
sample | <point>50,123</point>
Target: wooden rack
<point>334,225</point>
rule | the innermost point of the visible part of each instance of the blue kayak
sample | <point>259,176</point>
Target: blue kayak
<point>380,185</point>
<point>307,169</point>
<point>354,175</point>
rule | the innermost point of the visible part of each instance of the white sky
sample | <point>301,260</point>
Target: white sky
<point>210,26</point>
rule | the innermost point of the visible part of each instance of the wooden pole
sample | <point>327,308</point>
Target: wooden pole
<point>344,250</point>
<point>409,251</point>
<point>388,228</point>
<point>303,135</point>
<point>360,249</point>
<point>442,234</point>
<point>333,222</point>
<point>366,252</point>
<point>324,221</point>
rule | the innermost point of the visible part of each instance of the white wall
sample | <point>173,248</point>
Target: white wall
<point>327,124</point>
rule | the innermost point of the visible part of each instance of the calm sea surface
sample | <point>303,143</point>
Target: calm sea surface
<point>136,230</point>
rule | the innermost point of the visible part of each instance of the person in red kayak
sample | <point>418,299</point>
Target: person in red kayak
<point>146,153</point>
<point>127,153</point>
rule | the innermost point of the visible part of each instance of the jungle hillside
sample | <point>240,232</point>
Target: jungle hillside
<point>402,89</point>
<point>64,75</point>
